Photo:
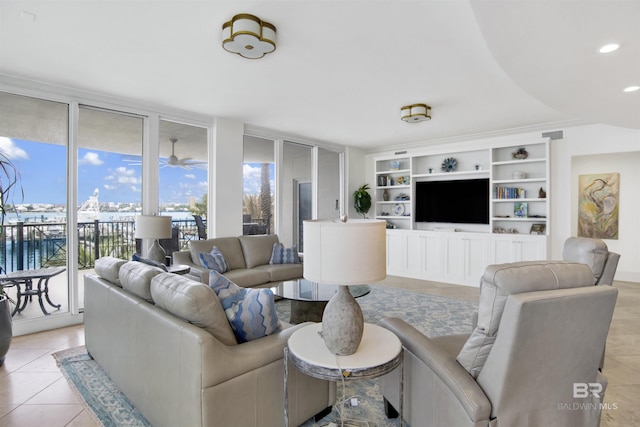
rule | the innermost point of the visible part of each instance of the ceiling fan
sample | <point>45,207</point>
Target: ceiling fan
<point>174,162</point>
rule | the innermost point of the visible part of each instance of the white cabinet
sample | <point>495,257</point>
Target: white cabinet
<point>466,255</point>
<point>396,253</point>
<point>513,248</point>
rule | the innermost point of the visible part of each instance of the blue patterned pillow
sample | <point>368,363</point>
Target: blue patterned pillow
<point>282,255</point>
<point>251,312</point>
<point>214,260</point>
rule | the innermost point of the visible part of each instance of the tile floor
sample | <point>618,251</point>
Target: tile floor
<point>33,392</point>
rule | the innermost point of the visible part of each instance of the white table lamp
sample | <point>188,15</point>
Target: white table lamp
<point>344,253</point>
<point>154,227</point>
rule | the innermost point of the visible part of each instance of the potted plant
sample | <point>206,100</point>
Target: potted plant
<point>9,178</point>
<point>362,200</point>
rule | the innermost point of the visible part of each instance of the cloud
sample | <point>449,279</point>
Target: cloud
<point>11,150</point>
<point>123,178</point>
<point>189,176</point>
<point>91,158</point>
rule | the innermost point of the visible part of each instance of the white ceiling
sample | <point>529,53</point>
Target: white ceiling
<point>343,69</point>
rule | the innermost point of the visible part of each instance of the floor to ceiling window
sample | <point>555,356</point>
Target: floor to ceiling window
<point>109,185</point>
<point>34,135</point>
<point>258,194</point>
<point>183,180</point>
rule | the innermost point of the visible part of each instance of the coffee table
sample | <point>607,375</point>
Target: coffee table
<point>308,299</point>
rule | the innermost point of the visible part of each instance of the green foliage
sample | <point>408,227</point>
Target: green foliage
<point>200,208</point>
<point>362,200</point>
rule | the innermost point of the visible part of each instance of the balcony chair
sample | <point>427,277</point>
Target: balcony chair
<point>542,328</point>
<point>202,229</point>
<point>595,254</point>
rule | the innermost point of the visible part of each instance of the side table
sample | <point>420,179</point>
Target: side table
<point>380,352</point>
<point>179,269</point>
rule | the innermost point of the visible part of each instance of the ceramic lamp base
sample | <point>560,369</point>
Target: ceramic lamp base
<point>342,323</point>
<point>156,252</point>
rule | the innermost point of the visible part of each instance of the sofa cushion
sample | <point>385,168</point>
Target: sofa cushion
<point>148,261</point>
<point>251,312</point>
<point>194,302</point>
<point>501,280</point>
<point>257,249</point>
<point>248,277</point>
<point>282,255</point>
<point>214,260</point>
<point>135,278</point>
<point>280,272</point>
<point>108,268</point>
<point>228,246</point>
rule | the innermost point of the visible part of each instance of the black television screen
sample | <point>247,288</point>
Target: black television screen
<point>463,201</point>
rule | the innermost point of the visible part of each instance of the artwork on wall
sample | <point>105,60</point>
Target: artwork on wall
<point>598,203</point>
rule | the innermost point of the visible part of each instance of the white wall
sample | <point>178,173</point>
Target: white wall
<point>225,184</point>
<point>598,149</point>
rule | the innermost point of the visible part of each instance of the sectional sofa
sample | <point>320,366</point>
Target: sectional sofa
<point>247,257</point>
<point>166,343</point>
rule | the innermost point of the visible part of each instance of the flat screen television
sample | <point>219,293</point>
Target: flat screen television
<point>464,201</point>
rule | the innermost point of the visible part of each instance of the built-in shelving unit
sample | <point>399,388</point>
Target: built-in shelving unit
<point>458,253</point>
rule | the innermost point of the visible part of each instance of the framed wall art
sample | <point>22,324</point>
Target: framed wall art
<point>598,205</point>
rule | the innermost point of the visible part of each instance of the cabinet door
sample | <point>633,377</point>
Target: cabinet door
<point>432,256</point>
<point>506,249</point>
<point>414,254</point>
<point>502,250</point>
<point>531,249</point>
<point>476,258</point>
<point>453,258</point>
<point>396,253</point>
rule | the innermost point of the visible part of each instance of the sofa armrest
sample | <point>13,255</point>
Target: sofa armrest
<point>242,358</point>
<point>444,366</point>
<point>197,272</point>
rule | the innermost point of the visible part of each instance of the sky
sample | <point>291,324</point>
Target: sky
<point>43,174</point>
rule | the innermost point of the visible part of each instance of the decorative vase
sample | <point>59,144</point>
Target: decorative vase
<point>6,332</point>
<point>385,195</point>
<point>342,323</point>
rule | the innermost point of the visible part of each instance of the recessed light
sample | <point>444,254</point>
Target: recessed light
<point>608,48</point>
<point>631,89</point>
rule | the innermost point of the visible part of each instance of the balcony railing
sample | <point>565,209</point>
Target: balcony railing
<point>44,244</point>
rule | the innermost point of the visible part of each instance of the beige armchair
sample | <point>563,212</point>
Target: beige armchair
<point>531,361</point>
<point>594,253</point>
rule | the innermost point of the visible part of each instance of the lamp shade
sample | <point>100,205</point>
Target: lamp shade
<point>153,227</point>
<point>345,253</point>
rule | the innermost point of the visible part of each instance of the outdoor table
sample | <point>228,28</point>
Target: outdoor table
<point>26,278</point>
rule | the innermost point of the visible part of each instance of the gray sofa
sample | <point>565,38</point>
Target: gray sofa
<point>189,373</point>
<point>247,256</point>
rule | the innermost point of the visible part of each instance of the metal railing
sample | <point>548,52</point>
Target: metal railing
<point>44,244</point>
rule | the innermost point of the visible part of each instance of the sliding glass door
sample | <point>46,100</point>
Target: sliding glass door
<point>33,136</point>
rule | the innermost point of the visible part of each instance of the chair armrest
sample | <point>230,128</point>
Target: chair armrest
<point>444,365</point>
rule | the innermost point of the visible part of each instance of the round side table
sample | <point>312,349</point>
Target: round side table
<point>380,352</point>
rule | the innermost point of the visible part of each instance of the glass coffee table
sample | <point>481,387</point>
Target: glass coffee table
<point>308,299</point>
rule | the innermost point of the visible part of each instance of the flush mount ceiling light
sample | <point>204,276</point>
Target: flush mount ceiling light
<point>248,36</point>
<point>631,89</point>
<point>608,48</point>
<point>415,113</point>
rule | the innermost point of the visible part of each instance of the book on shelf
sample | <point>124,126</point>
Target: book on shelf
<point>509,193</point>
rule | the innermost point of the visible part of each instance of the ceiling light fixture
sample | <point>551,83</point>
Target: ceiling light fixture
<point>608,48</point>
<point>631,88</point>
<point>415,113</point>
<point>248,36</point>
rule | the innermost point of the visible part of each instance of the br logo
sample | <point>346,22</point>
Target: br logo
<point>582,390</point>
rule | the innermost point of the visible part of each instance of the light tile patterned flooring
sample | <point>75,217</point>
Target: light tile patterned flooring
<point>33,392</point>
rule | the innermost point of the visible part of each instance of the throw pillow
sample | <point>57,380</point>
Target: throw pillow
<point>148,261</point>
<point>214,260</point>
<point>282,255</point>
<point>251,312</point>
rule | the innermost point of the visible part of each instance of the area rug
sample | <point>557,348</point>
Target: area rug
<point>432,315</point>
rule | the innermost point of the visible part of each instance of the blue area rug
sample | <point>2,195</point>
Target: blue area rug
<point>432,315</point>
